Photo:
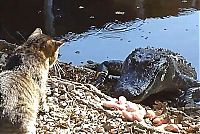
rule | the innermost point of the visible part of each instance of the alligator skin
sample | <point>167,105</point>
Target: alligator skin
<point>148,71</point>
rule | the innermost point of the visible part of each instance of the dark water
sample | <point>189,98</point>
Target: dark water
<point>100,30</point>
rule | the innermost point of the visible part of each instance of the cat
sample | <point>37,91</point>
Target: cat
<point>23,85</point>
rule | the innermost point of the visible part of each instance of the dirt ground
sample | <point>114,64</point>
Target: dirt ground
<point>76,107</point>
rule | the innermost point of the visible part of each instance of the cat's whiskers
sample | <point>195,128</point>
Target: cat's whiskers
<point>55,70</point>
<point>58,69</point>
<point>59,75</point>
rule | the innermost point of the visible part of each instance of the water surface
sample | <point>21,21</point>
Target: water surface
<point>107,29</point>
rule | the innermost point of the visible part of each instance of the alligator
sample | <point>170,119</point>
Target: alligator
<point>147,72</point>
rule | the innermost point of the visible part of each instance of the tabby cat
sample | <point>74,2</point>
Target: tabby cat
<point>22,88</point>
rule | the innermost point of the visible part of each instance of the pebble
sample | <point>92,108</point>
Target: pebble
<point>46,127</point>
<point>49,120</point>
<point>49,93</point>
<point>70,87</point>
<point>63,97</point>
<point>100,130</point>
<point>55,90</point>
<point>54,85</point>
<point>56,94</point>
<point>62,89</point>
<point>63,103</point>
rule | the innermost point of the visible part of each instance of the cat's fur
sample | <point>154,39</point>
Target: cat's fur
<point>22,88</point>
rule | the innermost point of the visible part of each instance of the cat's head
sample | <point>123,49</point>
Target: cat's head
<point>38,41</point>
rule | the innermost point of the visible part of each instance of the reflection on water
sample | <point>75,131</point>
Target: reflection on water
<point>77,16</point>
<point>103,30</point>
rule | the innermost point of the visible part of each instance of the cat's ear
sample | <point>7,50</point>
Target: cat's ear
<point>37,31</point>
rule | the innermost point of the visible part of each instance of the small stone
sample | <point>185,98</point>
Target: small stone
<point>51,130</point>
<point>184,1</point>
<point>70,87</point>
<point>100,130</point>
<point>88,97</point>
<point>63,97</point>
<point>77,111</point>
<point>54,85</point>
<point>55,90</point>
<point>52,113</point>
<point>62,89</point>
<point>91,17</point>
<point>52,124</point>
<point>119,13</point>
<point>97,99</point>
<point>63,103</point>
<point>48,92</point>
<point>80,7</point>
<point>45,118</point>
<point>86,126</point>
<point>41,117</point>
<point>49,120</point>
<point>56,94</point>
<point>52,100</point>
<point>62,122</point>
<point>83,113</point>
<point>40,125</point>
<point>113,131</point>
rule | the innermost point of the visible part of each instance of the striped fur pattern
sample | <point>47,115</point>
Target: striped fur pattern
<point>23,87</point>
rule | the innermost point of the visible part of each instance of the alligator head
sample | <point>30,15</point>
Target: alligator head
<point>148,71</point>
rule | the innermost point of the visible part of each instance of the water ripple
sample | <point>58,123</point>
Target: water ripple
<point>115,29</point>
<point>109,30</point>
<point>186,11</point>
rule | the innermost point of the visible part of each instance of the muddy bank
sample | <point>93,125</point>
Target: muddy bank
<point>76,106</point>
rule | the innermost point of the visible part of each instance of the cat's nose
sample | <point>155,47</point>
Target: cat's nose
<point>62,40</point>
<point>58,43</point>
